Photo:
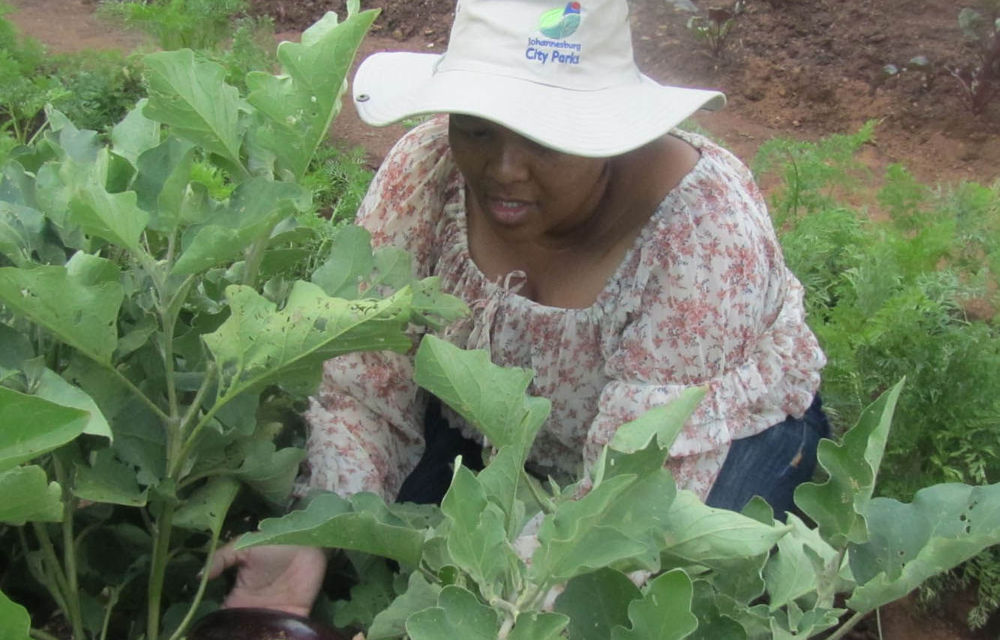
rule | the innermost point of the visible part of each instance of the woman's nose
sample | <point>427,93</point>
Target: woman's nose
<point>508,163</point>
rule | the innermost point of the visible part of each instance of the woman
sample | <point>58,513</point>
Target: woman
<point>620,259</point>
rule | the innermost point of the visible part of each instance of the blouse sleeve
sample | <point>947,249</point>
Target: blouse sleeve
<point>366,419</point>
<point>712,304</point>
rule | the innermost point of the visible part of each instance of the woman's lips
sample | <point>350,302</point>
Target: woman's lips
<point>508,212</point>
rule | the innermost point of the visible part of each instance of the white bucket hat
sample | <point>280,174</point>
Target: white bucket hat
<point>562,75</point>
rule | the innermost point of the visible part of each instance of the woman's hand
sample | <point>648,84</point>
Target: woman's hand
<point>282,577</point>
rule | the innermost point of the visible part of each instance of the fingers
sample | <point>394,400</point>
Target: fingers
<point>225,556</point>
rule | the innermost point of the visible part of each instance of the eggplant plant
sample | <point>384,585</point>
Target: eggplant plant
<point>152,331</point>
<point>506,557</point>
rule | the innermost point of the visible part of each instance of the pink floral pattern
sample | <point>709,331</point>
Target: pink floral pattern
<point>702,298</point>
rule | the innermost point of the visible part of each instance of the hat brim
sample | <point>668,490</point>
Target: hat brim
<point>391,86</point>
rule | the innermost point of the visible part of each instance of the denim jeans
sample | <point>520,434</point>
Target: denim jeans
<point>771,464</point>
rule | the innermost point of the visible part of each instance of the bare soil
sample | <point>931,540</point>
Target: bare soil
<point>792,68</point>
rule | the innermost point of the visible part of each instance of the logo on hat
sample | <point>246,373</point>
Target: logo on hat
<point>560,23</point>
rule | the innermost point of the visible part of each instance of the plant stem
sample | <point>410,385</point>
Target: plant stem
<point>69,550</point>
<point>253,259</point>
<point>50,582</point>
<point>179,633</point>
<point>41,635</point>
<point>847,626</point>
<point>55,573</point>
<point>158,569</point>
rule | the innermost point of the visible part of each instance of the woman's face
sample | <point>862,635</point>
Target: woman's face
<point>523,190</point>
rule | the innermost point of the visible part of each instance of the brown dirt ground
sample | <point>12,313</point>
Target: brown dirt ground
<point>802,69</point>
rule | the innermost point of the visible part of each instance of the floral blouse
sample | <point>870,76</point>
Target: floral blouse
<point>702,297</point>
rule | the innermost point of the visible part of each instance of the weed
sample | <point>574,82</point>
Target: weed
<point>979,79</point>
<point>715,27</point>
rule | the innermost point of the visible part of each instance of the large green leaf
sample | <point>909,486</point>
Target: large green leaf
<point>490,397</point>
<point>114,217</point>
<point>299,106</point>
<point>477,537</point>
<point>664,423</point>
<point>664,612</point>
<point>135,134</point>
<point>15,623</point>
<point>259,344</point>
<point>391,621</point>
<point>596,603</point>
<point>268,471</point>
<point>78,303</point>
<point>193,98</point>
<point>364,524</point>
<point>794,571</point>
<point>538,626</point>
<point>459,614</point>
<point>31,426</point>
<point>701,533</point>
<point>255,207</point>
<point>838,504</point>
<point>944,525</point>
<point>106,480</point>
<point>54,388</point>
<point>604,527</point>
<point>20,231</point>
<point>206,508</point>
<point>162,182</point>
<point>29,496</point>
<point>348,264</point>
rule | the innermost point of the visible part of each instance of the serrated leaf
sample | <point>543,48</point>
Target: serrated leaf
<point>206,508</point>
<point>583,535</point>
<point>944,525</point>
<point>78,303</point>
<point>349,262</point>
<point>20,231</point>
<point>663,612</point>
<point>258,344</point>
<point>107,480</point>
<point>791,573</point>
<point>490,397</point>
<point>596,603</point>
<point>162,180</point>
<point>193,98</point>
<point>32,426</point>
<point>270,472</point>
<point>837,505</point>
<point>52,387</point>
<point>391,621</point>
<point>371,595</point>
<point>663,423</point>
<point>29,496</point>
<point>477,537</point>
<point>459,614</point>
<point>297,108</point>
<point>254,208</point>
<point>15,623</point>
<point>114,217</point>
<point>135,134</point>
<point>331,521</point>
<point>538,626</point>
<point>701,533</point>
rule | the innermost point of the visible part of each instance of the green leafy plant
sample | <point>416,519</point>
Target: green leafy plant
<point>154,330</point>
<point>177,24</point>
<point>506,557</point>
<point>714,27</point>
<point>910,292</point>
<point>25,86</point>
<point>980,78</point>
